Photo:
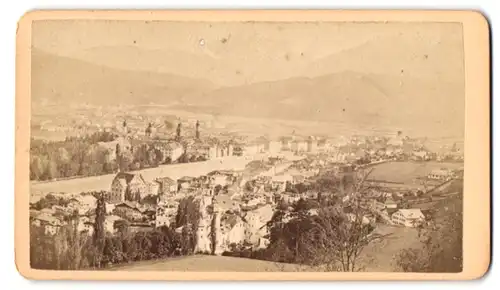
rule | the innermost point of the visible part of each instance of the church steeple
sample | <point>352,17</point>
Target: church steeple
<point>149,129</point>
<point>179,130</point>
<point>124,128</point>
<point>197,129</point>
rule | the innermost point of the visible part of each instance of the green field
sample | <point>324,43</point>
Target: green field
<point>379,255</point>
<point>406,172</point>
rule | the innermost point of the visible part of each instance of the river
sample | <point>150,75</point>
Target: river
<point>174,171</point>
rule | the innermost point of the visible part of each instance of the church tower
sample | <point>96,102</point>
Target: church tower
<point>197,129</point>
<point>125,127</point>
<point>149,130</point>
<point>202,243</point>
<point>216,229</point>
<point>179,131</point>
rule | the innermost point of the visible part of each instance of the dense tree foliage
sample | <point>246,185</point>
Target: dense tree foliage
<point>83,156</point>
<point>67,250</point>
<point>99,230</point>
<point>70,250</point>
<point>441,243</point>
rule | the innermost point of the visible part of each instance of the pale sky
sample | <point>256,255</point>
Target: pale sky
<point>231,53</point>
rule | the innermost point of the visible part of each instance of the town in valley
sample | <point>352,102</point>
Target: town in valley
<point>304,155</point>
<point>234,185</point>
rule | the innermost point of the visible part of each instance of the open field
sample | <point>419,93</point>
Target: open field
<point>208,264</point>
<point>407,172</point>
<point>378,256</point>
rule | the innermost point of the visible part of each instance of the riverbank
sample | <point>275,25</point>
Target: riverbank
<point>174,171</point>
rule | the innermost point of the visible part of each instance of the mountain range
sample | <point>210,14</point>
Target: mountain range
<point>348,96</point>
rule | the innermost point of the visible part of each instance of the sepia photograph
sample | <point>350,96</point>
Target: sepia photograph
<point>246,146</point>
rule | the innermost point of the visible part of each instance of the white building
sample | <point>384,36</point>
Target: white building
<point>440,174</point>
<point>251,149</point>
<point>312,144</point>
<point>299,146</point>
<point>174,151</point>
<point>50,224</point>
<point>234,230</point>
<point>109,223</point>
<point>274,147</point>
<point>408,217</point>
<point>256,223</point>
<point>85,225</point>
<point>353,218</point>
<point>279,182</point>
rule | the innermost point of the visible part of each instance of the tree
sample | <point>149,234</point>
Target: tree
<point>187,212</point>
<point>113,250</point>
<point>63,162</point>
<point>126,161</point>
<point>336,240</point>
<point>332,238</point>
<point>301,188</point>
<point>122,227</point>
<point>441,244</point>
<point>184,158</point>
<point>99,230</point>
<point>303,205</point>
<point>36,168</point>
<point>152,158</point>
<point>67,250</point>
<point>217,189</point>
<point>50,170</point>
<point>188,240</point>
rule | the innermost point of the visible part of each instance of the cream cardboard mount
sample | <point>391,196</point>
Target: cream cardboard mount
<point>252,145</point>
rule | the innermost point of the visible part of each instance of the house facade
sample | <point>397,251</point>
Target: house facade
<point>274,147</point>
<point>440,174</point>
<point>166,186</point>
<point>279,182</point>
<point>299,146</point>
<point>128,211</point>
<point>126,186</point>
<point>312,145</point>
<point>174,151</point>
<point>50,224</point>
<point>408,217</point>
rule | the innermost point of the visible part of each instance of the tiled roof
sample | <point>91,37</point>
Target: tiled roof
<point>125,176</point>
<point>165,180</point>
<point>411,213</point>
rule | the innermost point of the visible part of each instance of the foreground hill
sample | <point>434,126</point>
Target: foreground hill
<point>208,264</point>
<point>376,257</point>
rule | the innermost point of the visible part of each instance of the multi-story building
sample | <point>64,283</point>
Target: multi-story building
<point>129,211</point>
<point>274,147</point>
<point>312,144</point>
<point>408,217</point>
<point>50,224</point>
<point>127,186</point>
<point>299,146</point>
<point>166,186</point>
